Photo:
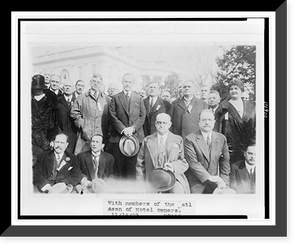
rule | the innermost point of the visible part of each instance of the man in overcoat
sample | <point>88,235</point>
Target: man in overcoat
<point>186,111</point>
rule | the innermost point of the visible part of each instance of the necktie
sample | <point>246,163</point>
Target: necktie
<point>208,141</point>
<point>58,160</point>
<point>151,102</point>
<point>95,163</point>
<point>96,95</point>
<point>127,96</point>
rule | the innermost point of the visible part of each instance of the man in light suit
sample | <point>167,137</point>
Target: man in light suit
<point>242,175</point>
<point>95,163</point>
<point>56,166</point>
<point>186,111</point>
<point>208,157</point>
<point>127,116</point>
<point>154,105</point>
<point>164,150</point>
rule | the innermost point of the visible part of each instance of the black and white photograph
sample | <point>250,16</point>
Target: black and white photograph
<point>145,122</point>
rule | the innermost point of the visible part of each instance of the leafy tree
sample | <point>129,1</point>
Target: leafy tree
<point>236,62</point>
<point>172,82</point>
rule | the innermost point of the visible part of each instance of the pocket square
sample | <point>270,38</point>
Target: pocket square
<point>70,168</point>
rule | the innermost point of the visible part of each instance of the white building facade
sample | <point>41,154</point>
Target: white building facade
<point>109,62</point>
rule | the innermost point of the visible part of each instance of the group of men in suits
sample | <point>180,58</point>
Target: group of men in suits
<point>181,131</point>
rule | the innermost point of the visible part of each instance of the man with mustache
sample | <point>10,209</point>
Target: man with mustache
<point>57,166</point>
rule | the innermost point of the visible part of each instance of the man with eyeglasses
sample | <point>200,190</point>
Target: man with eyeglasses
<point>164,150</point>
<point>90,114</point>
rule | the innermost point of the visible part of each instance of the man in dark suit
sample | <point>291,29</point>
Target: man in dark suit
<point>186,111</point>
<point>56,166</point>
<point>208,157</point>
<point>127,116</point>
<point>55,82</point>
<point>242,175</point>
<point>95,163</point>
<point>66,123</point>
<point>154,105</point>
<point>213,104</point>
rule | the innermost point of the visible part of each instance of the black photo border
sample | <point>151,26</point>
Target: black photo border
<point>280,229</point>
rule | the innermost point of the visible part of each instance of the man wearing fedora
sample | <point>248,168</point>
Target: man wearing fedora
<point>207,154</point>
<point>163,150</point>
<point>57,166</point>
<point>154,105</point>
<point>127,116</point>
<point>95,163</point>
<point>90,114</point>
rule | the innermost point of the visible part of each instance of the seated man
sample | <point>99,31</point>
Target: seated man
<point>56,166</point>
<point>242,175</point>
<point>163,149</point>
<point>96,163</point>
<point>207,154</point>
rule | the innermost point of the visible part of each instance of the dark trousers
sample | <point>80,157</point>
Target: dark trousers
<point>125,167</point>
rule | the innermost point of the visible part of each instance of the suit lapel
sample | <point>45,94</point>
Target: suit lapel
<point>147,106</point>
<point>159,102</point>
<point>123,101</point>
<point>89,163</point>
<point>50,162</point>
<point>152,146</point>
<point>101,165</point>
<point>202,145</point>
<point>181,104</point>
<point>64,102</point>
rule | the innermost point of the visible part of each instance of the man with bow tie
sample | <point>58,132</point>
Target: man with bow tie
<point>90,114</point>
<point>207,154</point>
<point>56,166</point>
<point>65,122</point>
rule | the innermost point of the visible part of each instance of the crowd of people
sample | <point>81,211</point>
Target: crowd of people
<point>91,140</point>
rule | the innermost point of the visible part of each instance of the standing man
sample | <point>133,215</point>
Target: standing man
<point>242,175</point>
<point>96,163</point>
<point>56,166</point>
<point>127,116</point>
<point>90,114</point>
<point>213,103</point>
<point>186,111</point>
<point>55,82</point>
<point>66,123</point>
<point>204,92</point>
<point>163,150</point>
<point>166,95</point>
<point>79,88</point>
<point>154,105</point>
<point>208,157</point>
<point>44,117</point>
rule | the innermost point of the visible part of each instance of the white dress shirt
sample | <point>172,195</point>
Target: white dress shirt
<point>249,167</point>
<point>239,106</point>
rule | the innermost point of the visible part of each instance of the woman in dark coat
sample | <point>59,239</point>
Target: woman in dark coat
<point>236,120</point>
<point>44,120</point>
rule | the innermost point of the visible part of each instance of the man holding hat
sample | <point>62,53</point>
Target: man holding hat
<point>127,116</point>
<point>44,117</point>
<point>161,153</point>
